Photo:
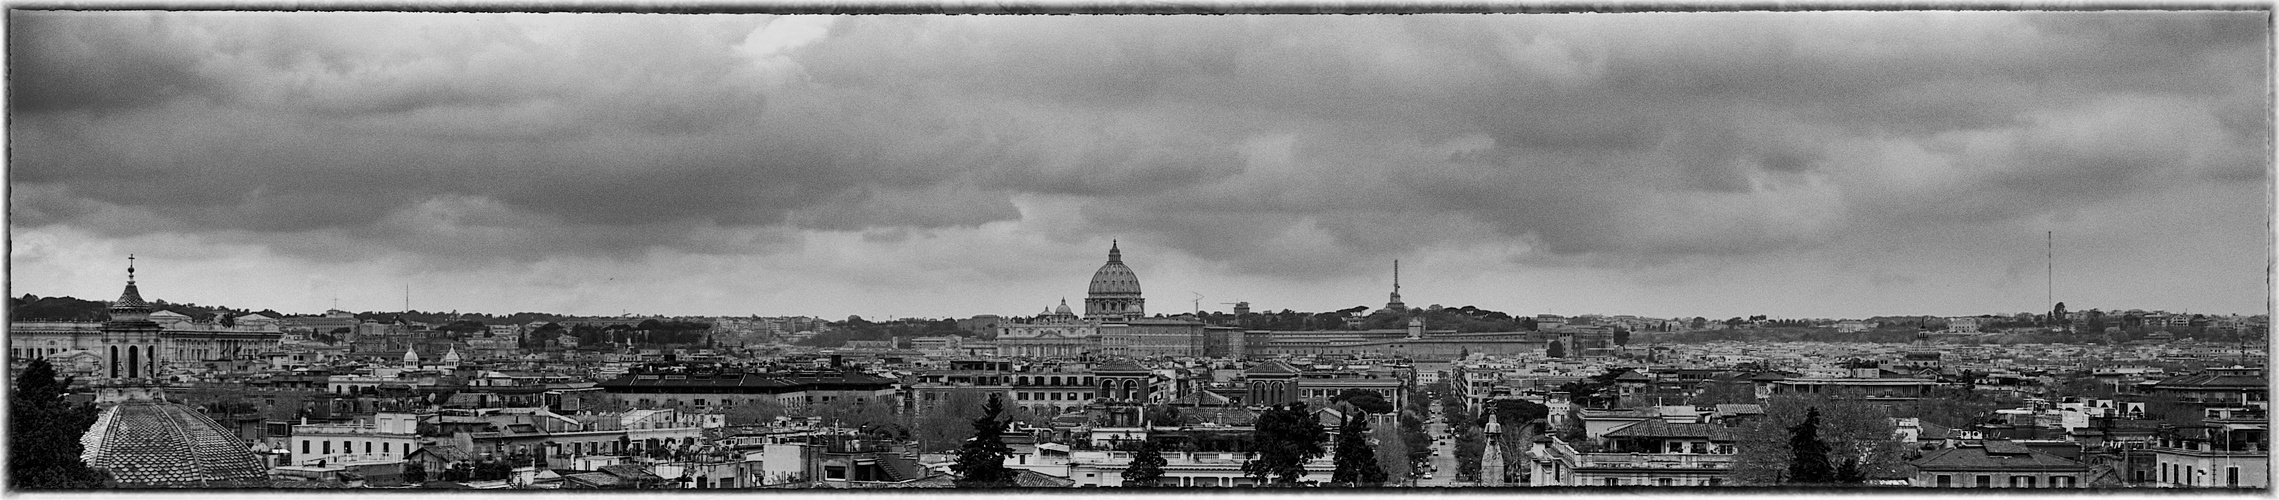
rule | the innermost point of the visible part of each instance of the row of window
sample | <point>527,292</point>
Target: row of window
<point>1040,380</point>
<point>1987,481</point>
<point>2185,475</point>
<point>1661,481</point>
<point>348,446</point>
<point>730,403</point>
<point>1055,396</point>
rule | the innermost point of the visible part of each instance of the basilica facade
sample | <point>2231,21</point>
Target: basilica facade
<point>1114,323</point>
<point>136,343</point>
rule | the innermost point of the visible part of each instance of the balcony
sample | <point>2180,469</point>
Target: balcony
<point>342,429</point>
<point>1654,461</point>
<point>1200,458</point>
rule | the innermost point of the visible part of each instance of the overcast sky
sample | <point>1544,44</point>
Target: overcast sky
<point>1720,165</point>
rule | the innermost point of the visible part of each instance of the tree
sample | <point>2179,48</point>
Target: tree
<point>937,426</point>
<point>44,432</point>
<point>1147,465</point>
<point>1471,447</point>
<point>1850,429</point>
<point>1622,336</point>
<point>414,473</point>
<point>1392,451</point>
<point>758,411</point>
<point>1555,350</point>
<point>1808,457</point>
<point>1717,392</point>
<point>981,461</point>
<point>2058,317</point>
<point>1356,460</point>
<point>1366,400</point>
<point>1284,439</point>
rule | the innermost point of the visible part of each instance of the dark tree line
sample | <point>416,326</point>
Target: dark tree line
<point>44,431</point>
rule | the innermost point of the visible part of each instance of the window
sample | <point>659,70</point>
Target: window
<point>1023,396</point>
<point>700,402</point>
<point>1985,481</point>
<point>2231,477</point>
<point>1662,482</point>
<point>1612,482</point>
<point>1946,481</point>
<point>2021,481</point>
<point>367,446</point>
<point>304,447</point>
<point>328,447</point>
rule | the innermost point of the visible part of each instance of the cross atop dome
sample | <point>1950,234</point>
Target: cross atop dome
<point>130,306</point>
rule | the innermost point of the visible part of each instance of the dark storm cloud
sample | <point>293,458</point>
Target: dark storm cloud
<point>1279,145</point>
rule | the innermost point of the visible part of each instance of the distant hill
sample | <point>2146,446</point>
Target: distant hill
<point>34,307</point>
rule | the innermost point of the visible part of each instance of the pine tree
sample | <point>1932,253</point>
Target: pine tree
<point>1147,465</point>
<point>1284,439</point>
<point>1356,459</point>
<point>1808,459</point>
<point>414,473</point>
<point>44,432</point>
<point>981,461</point>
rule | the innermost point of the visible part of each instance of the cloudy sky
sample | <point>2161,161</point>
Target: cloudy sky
<point>1668,164</point>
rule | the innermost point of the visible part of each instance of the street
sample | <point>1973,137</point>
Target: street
<point>1443,456</point>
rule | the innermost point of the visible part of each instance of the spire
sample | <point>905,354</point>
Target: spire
<point>1395,303</point>
<point>130,306</point>
<point>1114,254</point>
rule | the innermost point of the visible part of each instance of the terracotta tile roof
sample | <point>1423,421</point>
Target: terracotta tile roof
<point>1997,456</point>
<point>1272,368</point>
<point>149,443</point>
<point>2212,380</point>
<point>1657,428</point>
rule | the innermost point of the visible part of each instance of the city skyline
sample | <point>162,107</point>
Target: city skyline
<point>1666,165</point>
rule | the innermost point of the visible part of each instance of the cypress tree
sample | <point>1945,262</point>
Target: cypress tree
<point>1808,459</point>
<point>981,461</point>
<point>1147,465</point>
<point>1356,460</point>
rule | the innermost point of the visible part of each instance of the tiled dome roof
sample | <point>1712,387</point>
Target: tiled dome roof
<point>130,300</point>
<point>145,443</point>
<point>1114,277</point>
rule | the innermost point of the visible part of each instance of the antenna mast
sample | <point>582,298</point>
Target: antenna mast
<point>2049,273</point>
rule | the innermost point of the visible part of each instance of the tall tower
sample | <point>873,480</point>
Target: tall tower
<point>1115,291</point>
<point>1395,304</point>
<point>130,338</point>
